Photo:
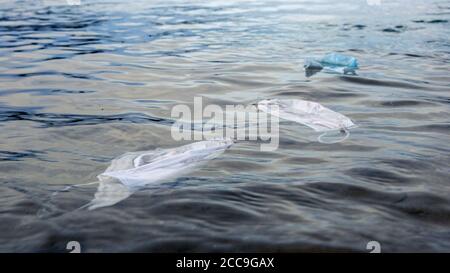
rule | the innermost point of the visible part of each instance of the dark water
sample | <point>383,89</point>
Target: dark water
<point>80,85</point>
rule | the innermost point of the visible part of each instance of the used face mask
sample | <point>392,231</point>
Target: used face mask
<point>141,168</point>
<point>311,114</point>
<point>331,63</point>
<point>336,59</point>
<point>133,171</point>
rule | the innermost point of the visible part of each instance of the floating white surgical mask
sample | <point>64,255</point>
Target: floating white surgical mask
<point>150,166</point>
<point>311,114</point>
<point>133,171</point>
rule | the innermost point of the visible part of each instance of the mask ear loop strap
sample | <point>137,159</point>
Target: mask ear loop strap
<point>42,214</point>
<point>72,186</point>
<point>343,130</point>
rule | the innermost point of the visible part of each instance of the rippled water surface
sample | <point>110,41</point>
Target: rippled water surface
<point>81,85</point>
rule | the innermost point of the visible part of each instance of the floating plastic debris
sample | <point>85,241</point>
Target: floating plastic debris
<point>311,114</point>
<point>313,64</point>
<point>312,67</point>
<point>133,171</point>
<point>335,59</point>
<point>331,63</point>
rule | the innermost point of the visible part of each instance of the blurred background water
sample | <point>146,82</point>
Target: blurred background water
<point>81,85</point>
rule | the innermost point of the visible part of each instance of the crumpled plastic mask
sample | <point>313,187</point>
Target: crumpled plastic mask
<point>133,171</point>
<point>331,63</point>
<point>311,114</point>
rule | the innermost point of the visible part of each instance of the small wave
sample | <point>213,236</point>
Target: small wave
<point>19,156</point>
<point>59,120</point>
<point>435,21</point>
